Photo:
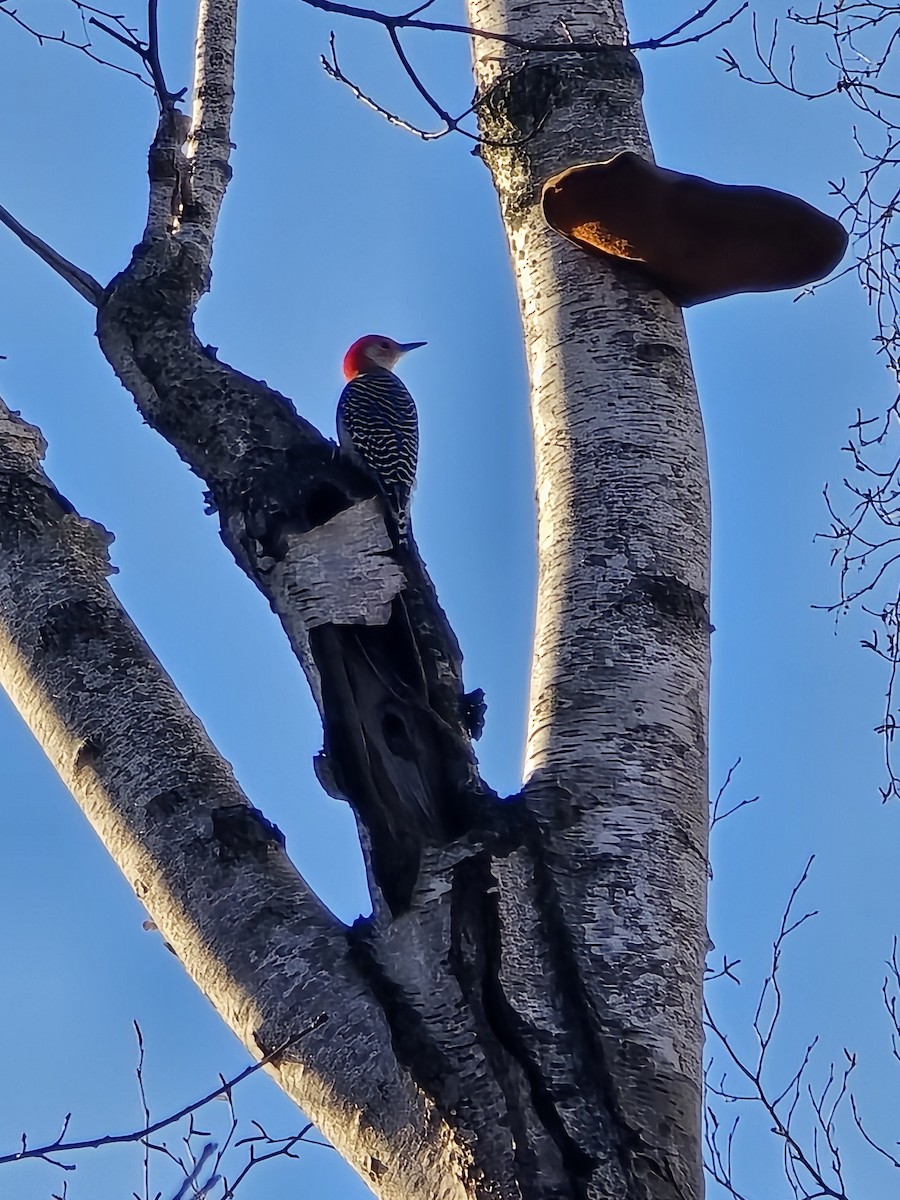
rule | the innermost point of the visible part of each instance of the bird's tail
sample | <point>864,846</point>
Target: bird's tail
<point>398,506</point>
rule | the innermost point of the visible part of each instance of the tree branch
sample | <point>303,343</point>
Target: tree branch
<point>83,283</point>
<point>148,53</point>
<point>86,47</point>
<point>210,869</point>
<point>409,20</point>
<point>224,1087</point>
<point>304,525</point>
<point>209,148</point>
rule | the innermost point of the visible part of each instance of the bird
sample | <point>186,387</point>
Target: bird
<point>377,423</point>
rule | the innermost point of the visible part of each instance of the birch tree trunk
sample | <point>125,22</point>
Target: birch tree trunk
<point>520,1019</point>
<point>616,760</point>
<point>617,731</point>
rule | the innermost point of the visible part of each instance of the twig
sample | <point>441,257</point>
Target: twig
<point>113,1139</point>
<point>144,1107</point>
<point>285,1149</point>
<point>451,124</point>
<point>716,814</point>
<point>86,47</point>
<point>202,1189</point>
<point>796,1154</point>
<point>148,54</point>
<point>409,20</point>
<point>80,280</point>
<point>864,535</point>
<point>670,40</point>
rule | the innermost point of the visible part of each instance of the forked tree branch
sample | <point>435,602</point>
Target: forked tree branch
<point>208,867</point>
<point>677,36</point>
<point>224,1088</point>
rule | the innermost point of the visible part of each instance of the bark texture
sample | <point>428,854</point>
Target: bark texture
<point>617,740</point>
<point>519,1020</point>
<point>207,865</point>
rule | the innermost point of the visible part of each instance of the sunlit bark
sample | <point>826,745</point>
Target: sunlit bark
<point>617,739</point>
<point>519,1020</point>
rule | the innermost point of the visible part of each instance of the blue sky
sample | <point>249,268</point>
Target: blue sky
<point>335,225</point>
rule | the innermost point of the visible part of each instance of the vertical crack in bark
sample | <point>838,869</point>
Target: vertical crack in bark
<point>389,683</point>
<point>594,1031</point>
<point>476,889</point>
<point>623,531</point>
<point>538,1071</point>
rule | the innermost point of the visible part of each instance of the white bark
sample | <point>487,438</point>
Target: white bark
<point>617,738</point>
<point>209,146</point>
<point>339,573</point>
<point>205,864</point>
<point>522,1022</point>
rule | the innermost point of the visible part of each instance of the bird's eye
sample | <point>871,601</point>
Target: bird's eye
<point>385,345</point>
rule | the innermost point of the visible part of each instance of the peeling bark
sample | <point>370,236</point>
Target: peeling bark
<point>303,524</point>
<point>617,741</point>
<point>210,870</point>
<point>519,1020</point>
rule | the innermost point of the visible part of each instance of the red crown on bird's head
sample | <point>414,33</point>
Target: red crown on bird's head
<point>373,352</point>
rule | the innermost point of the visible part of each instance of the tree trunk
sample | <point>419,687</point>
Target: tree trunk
<point>617,742</point>
<point>520,1018</point>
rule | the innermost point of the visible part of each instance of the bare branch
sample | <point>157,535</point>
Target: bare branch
<point>717,813</point>
<point>190,1179</point>
<point>83,283</point>
<point>863,40</point>
<point>123,34</point>
<point>333,69</point>
<point>147,52</point>
<point>410,20</point>
<point>166,98</point>
<point>139,1072</point>
<point>672,38</point>
<point>209,148</point>
<point>808,1118</point>
<point>224,1087</point>
<point>451,124</point>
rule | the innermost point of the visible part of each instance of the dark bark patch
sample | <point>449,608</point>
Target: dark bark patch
<point>323,501</point>
<point>69,622</point>
<point>654,352</point>
<point>412,1043</point>
<point>523,100</point>
<point>164,805</point>
<point>88,753</point>
<point>670,597</point>
<point>242,831</point>
<point>394,739</point>
<point>474,710</point>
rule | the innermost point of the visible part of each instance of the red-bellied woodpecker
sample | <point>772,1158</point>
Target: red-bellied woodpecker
<point>377,423</point>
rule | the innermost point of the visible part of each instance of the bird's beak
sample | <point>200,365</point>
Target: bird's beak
<point>404,347</point>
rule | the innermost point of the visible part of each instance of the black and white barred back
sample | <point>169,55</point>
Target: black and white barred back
<point>378,426</point>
